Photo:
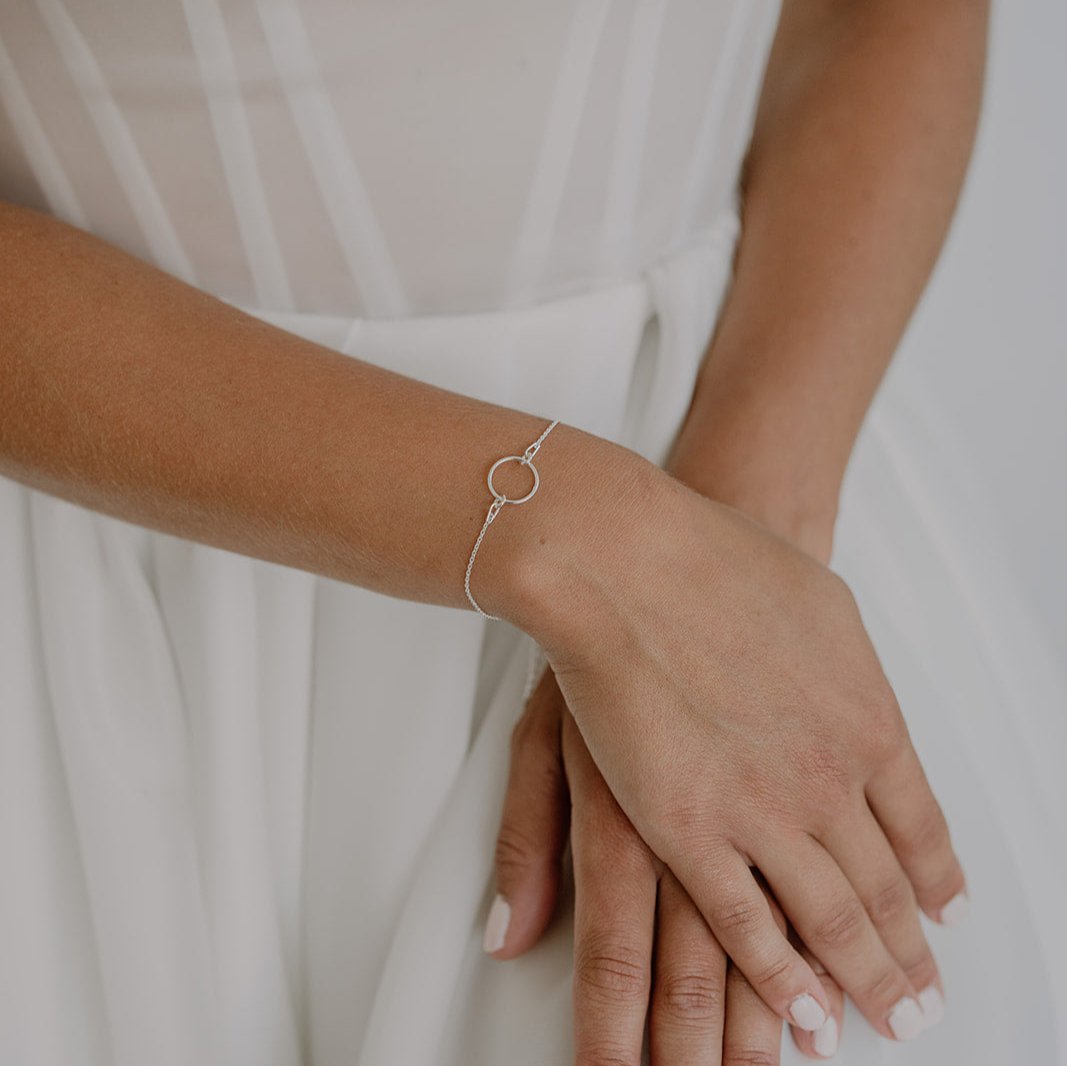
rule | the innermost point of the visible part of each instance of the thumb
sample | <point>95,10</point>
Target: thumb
<point>533,828</point>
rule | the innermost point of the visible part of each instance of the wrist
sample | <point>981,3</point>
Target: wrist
<point>539,572</point>
<point>796,500</point>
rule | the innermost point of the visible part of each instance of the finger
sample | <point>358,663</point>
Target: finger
<point>820,1044</point>
<point>869,863</point>
<point>902,801</point>
<point>734,906</point>
<point>753,1032</point>
<point>533,828</point>
<point>830,918</point>
<point>688,985</point>
<point>823,1043</point>
<point>614,920</point>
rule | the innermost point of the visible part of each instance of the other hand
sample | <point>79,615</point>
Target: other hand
<point>642,949</point>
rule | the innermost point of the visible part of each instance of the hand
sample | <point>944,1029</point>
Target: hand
<point>703,1009</point>
<point>759,732</point>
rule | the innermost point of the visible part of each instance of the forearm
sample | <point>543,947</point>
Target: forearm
<point>861,141</point>
<point>132,393</point>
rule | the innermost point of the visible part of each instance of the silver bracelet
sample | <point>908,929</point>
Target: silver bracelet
<point>499,499</point>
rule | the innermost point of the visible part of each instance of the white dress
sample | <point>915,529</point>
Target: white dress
<point>247,814</point>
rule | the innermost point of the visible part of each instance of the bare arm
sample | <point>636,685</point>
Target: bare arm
<point>862,137</point>
<point>129,392</point>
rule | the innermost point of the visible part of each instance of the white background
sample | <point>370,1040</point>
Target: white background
<point>992,325</point>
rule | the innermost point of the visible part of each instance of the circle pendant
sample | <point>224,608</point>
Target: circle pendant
<point>518,459</point>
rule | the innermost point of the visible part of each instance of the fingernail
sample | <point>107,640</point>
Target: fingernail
<point>953,912</point>
<point>496,925</point>
<point>933,1005</point>
<point>825,1042</point>
<point>806,1013</point>
<point>906,1018</point>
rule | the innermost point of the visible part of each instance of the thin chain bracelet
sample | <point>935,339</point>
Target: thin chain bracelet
<point>499,499</point>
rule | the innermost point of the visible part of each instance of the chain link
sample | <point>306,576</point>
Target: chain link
<point>499,499</point>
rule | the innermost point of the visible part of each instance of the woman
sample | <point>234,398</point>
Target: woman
<point>258,768</point>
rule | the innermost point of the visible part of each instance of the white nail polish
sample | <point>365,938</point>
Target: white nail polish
<point>825,1042</point>
<point>933,1005</point>
<point>806,1013</point>
<point>906,1018</point>
<point>496,925</point>
<point>953,912</point>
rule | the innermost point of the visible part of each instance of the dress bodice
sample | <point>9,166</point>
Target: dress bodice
<point>383,158</point>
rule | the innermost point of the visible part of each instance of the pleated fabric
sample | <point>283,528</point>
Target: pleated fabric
<point>247,814</point>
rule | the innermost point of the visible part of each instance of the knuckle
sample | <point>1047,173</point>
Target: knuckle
<point>840,926</point>
<point>690,996</point>
<point>741,917</point>
<point>774,976</point>
<point>886,989</point>
<point>686,820</point>
<point>607,967</point>
<point>891,901</point>
<point>516,849</point>
<point>748,1055</point>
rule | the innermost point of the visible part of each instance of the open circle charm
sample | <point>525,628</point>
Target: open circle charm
<point>499,499</point>
<point>519,459</point>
